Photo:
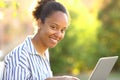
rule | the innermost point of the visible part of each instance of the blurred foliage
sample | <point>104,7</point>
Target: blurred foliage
<point>15,24</point>
<point>109,32</point>
<point>7,4</point>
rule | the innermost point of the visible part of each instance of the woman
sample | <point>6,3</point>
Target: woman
<point>30,60</point>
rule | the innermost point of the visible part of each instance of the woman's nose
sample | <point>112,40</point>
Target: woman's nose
<point>58,34</point>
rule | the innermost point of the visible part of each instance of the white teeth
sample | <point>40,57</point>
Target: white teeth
<point>55,41</point>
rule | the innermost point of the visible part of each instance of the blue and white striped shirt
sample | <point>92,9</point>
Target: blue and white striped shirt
<point>24,63</point>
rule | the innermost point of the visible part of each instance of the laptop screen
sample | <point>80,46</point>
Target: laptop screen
<point>103,68</point>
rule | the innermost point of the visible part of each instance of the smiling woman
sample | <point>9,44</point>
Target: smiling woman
<point>30,60</point>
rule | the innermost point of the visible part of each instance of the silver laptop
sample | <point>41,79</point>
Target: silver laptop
<point>103,68</point>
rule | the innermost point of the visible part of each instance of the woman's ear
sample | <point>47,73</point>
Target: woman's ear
<point>39,22</point>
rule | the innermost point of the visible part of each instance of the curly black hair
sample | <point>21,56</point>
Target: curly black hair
<point>46,7</point>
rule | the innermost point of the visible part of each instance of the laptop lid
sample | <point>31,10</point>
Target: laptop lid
<point>103,68</point>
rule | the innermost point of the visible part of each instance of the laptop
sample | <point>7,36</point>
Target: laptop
<point>103,68</point>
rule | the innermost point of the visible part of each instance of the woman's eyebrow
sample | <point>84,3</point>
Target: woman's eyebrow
<point>55,24</point>
<point>65,27</point>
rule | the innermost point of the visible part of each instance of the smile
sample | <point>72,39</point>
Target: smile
<point>54,40</point>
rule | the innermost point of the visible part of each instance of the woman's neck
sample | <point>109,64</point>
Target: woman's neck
<point>38,46</point>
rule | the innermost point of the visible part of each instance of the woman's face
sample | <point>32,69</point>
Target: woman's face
<point>53,29</point>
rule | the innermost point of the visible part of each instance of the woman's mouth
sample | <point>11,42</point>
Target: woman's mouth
<point>54,40</point>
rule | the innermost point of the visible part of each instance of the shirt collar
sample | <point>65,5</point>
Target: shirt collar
<point>29,45</point>
<point>31,49</point>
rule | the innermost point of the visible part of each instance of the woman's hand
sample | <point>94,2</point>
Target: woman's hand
<point>63,78</point>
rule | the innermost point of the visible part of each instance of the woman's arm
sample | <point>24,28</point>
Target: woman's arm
<point>63,78</point>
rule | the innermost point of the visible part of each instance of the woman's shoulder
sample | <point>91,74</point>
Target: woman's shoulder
<point>17,52</point>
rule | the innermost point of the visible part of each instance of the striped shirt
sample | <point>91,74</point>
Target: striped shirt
<point>24,63</point>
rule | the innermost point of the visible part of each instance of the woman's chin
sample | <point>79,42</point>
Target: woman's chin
<point>52,46</point>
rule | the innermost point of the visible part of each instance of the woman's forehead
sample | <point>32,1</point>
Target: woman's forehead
<point>57,18</point>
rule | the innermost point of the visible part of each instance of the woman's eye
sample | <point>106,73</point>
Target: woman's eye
<point>63,30</point>
<point>53,27</point>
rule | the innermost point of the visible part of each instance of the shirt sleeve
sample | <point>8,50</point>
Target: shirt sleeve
<point>16,67</point>
<point>16,73</point>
